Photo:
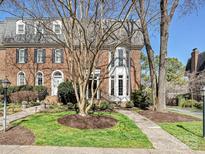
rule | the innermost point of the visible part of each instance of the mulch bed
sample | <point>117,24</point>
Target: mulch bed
<point>88,122</point>
<point>17,136</point>
<point>160,117</point>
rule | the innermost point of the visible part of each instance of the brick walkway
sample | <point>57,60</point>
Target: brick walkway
<point>20,115</point>
<point>160,139</point>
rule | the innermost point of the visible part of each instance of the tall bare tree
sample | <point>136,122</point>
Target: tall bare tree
<point>161,11</point>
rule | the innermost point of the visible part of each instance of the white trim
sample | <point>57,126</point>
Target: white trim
<point>52,78</point>
<point>18,79</point>
<point>61,54</point>
<point>20,22</point>
<point>36,82</point>
<point>57,22</point>
<point>24,59</point>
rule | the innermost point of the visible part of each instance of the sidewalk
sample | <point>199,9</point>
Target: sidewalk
<point>13,149</point>
<point>160,139</point>
<point>20,115</point>
<point>197,114</point>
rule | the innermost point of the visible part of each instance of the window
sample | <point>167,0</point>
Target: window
<point>21,79</point>
<point>20,27</point>
<point>40,56</point>
<point>127,58</point>
<point>120,53</point>
<point>21,55</point>
<point>120,85</point>
<point>127,92</point>
<point>57,56</point>
<point>112,85</point>
<point>57,27</point>
<point>112,59</point>
<point>39,79</point>
<point>38,28</point>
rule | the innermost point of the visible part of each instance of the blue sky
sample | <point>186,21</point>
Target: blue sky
<point>186,33</point>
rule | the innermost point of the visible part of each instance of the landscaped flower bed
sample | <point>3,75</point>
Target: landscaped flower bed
<point>48,131</point>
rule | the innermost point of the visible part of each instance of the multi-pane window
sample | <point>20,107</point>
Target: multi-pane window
<point>112,85</point>
<point>38,28</point>
<point>120,57</point>
<point>120,85</point>
<point>21,79</point>
<point>21,54</point>
<point>20,27</point>
<point>58,55</point>
<point>127,92</point>
<point>112,59</point>
<point>127,59</point>
<point>40,56</point>
<point>39,79</point>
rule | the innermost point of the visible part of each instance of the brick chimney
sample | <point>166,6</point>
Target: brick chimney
<point>194,60</point>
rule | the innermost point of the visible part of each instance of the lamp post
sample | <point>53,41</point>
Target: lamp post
<point>203,94</point>
<point>5,85</point>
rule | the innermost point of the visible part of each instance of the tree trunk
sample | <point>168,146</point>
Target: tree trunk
<point>164,25</point>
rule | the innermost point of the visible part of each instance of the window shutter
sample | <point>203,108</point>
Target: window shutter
<point>17,55</point>
<point>26,55</point>
<point>44,55</point>
<point>53,55</point>
<point>35,55</point>
<point>62,56</point>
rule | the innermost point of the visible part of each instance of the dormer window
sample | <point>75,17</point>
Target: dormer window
<point>38,28</point>
<point>20,27</point>
<point>57,26</point>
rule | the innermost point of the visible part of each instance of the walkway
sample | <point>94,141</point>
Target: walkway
<point>197,114</point>
<point>14,149</point>
<point>160,139</point>
<point>20,115</point>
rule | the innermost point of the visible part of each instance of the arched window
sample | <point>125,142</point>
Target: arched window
<point>39,79</point>
<point>21,80</point>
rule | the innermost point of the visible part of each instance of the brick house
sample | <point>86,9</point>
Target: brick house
<point>28,58</point>
<point>195,71</point>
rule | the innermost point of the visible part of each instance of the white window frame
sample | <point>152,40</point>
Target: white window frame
<point>37,56</point>
<point>37,78</point>
<point>18,23</point>
<point>57,22</point>
<point>120,78</point>
<point>60,57</point>
<point>36,26</point>
<point>21,61</point>
<point>123,58</point>
<point>19,80</point>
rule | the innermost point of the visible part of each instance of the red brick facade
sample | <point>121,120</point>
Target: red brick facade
<point>10,68</point>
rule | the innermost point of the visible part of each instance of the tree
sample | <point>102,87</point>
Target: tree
<point>86,30</point>
<point>175,70</point>
<point>161,13</point>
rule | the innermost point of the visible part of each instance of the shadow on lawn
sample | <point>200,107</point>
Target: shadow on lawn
<point>180,126</point>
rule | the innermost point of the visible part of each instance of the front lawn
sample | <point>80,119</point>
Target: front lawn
<point>188,132</point>
<point>48,131</point>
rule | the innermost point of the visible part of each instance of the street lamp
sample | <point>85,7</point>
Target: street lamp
<point>203,94</point>
<point>5,85</point>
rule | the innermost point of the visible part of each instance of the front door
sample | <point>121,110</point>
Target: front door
<point>57,79</point>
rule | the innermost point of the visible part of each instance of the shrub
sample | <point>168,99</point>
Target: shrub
<point>198,105</point>
<point>187,103</point>
<point>140,98</point>
<point>42,92</point>
<point>66,93</point>
<point>20,96</point>
<point>104,105</point>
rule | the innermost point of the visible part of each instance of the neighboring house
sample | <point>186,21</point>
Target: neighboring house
<point>29,58</point>
<point>195,71</point>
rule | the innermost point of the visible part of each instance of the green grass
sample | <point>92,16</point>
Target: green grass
<point>189,133</point>
<point>48,132</point>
